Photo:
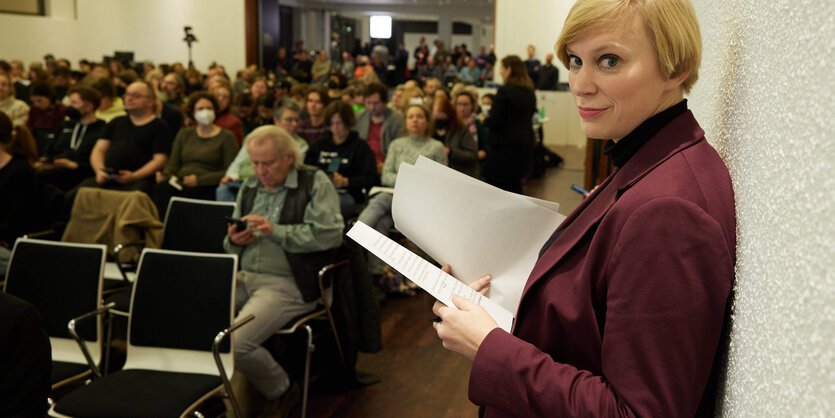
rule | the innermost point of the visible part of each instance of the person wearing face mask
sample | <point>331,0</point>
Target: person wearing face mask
<point>199,156</point>
<point>66,161</point>
<point>460,146</point>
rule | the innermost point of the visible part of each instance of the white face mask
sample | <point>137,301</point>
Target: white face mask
<point>485,109</point>
<point>204,116</point>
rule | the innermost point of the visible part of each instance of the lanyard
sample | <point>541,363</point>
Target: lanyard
<point>75,140</point>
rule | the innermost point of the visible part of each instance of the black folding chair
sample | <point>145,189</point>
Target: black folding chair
<point>190,225</point>
<point>321,313</point>
<point>63,281</point>
<point>182,307</point>
<point>195,225</point>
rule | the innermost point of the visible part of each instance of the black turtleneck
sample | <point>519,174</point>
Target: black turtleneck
<point>620,152</point>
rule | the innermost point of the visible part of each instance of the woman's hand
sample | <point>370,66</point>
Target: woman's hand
<point>160,177</point>
<point>260,223</point>
<point>462,330</point>
<point>190,180</point>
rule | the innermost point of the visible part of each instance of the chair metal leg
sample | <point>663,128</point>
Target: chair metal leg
<point>309,354</point>
<point>216,353</point>
<point>107,342</point>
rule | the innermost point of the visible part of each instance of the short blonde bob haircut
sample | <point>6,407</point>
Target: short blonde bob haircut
<point>672,27</point>
<point>283,143</point>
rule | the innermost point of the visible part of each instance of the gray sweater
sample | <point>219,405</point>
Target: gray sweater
<point>407,150</point>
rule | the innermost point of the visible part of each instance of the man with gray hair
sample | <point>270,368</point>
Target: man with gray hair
<point>173,90</point>
<point>285,116</point>
<point>292,221</point>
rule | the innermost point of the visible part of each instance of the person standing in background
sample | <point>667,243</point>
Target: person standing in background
<point>511,131</point>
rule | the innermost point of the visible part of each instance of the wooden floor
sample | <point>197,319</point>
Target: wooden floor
<point>418,378</point>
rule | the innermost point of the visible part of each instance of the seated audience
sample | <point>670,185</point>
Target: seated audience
<point>486,106</point>
<point>16,110</point>
<point>314,127</point>
<point>287,117</point>
<point>173,90</point>
<point>302,67</point>
<point>407,149</point>
<point>198,158</point>
<point>45,115</point>
<point>66,161</point>
<point>461,147</point>
<point>394,103</point>
<point>378,125</point>
<point>258,88</point>
<point>261,114</point>
<point>292,215</point>
<point>363,67</point>
<point>134,147</point>
<point>471,74</point>
<point>61,82</point>
<point>321,68</point>
<point>430,70</point>
<point>111,105</point>
<point>345,157</point>
<point>224,117</point>
<point>465,100</point>
<point>432,85</point>
<point>22,204</point>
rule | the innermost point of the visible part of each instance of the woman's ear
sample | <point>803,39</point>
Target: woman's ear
<point>676,80</point>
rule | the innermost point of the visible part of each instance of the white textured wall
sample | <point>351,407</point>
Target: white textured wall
<point>153,29</point>
<point>520,23</point>
<point>765,99</point>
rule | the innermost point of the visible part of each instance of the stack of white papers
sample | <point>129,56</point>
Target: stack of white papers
<point>476,228</point>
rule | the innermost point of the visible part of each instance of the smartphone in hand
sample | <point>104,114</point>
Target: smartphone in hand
<point>240,225</point>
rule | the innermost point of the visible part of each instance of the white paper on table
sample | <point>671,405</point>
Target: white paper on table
<point>430,278</point>
<point>475,228</point>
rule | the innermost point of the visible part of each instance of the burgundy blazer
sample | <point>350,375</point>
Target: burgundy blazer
<point>622,315</point>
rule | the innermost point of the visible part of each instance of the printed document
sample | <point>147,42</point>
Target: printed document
<point>425,274</point>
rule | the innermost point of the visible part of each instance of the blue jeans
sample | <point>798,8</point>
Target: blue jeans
<point>226,193</point>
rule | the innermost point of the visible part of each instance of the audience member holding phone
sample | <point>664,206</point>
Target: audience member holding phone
<point>346,158</point>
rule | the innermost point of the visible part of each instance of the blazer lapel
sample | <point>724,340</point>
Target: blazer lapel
<point>679,134</point>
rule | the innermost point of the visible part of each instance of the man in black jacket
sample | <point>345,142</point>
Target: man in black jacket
<point>549,75</point>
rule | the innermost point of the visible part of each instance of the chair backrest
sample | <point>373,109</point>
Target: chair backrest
<point>196,225</point>
<point>62,280</point>
<point>180,302</point>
